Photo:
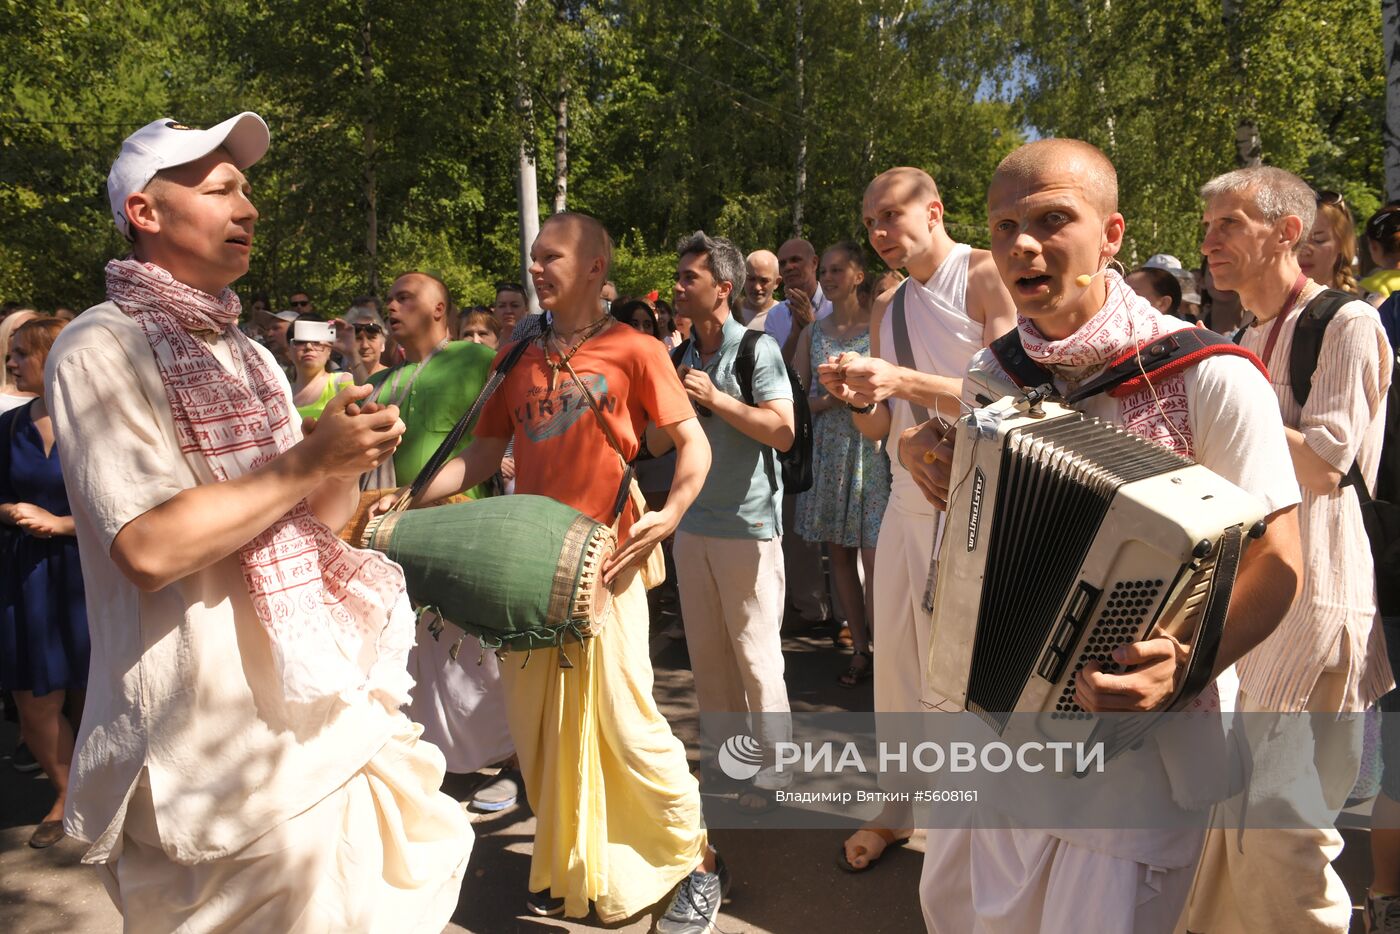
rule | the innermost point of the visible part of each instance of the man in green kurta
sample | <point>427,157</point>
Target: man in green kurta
<point>440,379</point>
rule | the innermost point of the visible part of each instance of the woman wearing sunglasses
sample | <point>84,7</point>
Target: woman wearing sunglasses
<point>365,348</point>
<point>1328,254</point>
<point>311,352</point>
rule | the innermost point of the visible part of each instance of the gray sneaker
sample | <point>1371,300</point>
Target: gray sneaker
<point>695,906</point>
<point>1382,914</point>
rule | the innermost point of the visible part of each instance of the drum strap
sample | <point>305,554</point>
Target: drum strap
<point>624,492</point>
<point>454,438</point>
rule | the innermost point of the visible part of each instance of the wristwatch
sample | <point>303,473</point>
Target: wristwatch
<point>861,410</point>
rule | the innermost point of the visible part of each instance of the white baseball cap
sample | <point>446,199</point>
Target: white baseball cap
<point>163,144</point>
<point>1162,261</point>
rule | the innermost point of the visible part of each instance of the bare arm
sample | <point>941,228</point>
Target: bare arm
<point>1268,581</point>
<point>473,466</point>
<point>1314,474</point>
<point>204,524</point>
<point>987,298</point>
<point>769,423</point>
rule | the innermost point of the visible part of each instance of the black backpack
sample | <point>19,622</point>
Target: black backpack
<point>796,461</point>
<point>1380,509</point>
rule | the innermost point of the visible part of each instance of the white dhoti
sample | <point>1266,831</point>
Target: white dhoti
<point>1020,881</point>
<point>902,629</point>
<point>459,703</point>
<point>384,853</point>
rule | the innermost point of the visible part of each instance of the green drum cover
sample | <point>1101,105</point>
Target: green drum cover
<point>505,569</point>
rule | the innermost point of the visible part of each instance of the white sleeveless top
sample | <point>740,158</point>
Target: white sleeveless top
<point>943,339</point>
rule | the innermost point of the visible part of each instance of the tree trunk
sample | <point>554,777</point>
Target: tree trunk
<point>800,191</point>
<point>367,133</point>
<point>1249,150</point>
<point>1390,30</point>
<point>527,194</point>
<point>561,147</point>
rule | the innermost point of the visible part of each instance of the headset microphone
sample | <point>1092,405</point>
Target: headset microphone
<point>1085,279</point>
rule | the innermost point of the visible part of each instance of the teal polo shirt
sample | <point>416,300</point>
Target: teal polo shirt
<point>442,394</point>
<point>737,500</point>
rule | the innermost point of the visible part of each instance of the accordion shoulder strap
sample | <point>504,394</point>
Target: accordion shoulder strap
<point>1155,361</point>
<point>1024,371</point>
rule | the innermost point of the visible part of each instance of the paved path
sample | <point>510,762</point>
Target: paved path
<point>785,882</point>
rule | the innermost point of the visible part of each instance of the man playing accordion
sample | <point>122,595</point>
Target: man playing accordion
<point>1054,221</point>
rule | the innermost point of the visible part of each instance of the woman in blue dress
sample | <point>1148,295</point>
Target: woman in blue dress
<point>43,619</point>
<point>850,473</point>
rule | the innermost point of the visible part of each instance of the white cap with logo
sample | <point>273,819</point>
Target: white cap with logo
<point>163,144</point>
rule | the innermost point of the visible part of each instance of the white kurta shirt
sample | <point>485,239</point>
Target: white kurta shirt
<point>182,685</point>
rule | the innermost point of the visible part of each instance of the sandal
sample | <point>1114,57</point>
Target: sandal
<point>867,856</point>
<point>767,802</point>
<point>857,673</point>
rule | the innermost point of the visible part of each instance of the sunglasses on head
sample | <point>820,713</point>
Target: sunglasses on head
<point>373,330</point>
<point>1331,197</point>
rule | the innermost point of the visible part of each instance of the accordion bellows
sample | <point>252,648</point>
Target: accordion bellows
<point>519,572</point>
<point>1067,537</point>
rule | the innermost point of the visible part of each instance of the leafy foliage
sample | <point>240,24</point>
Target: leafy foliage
<point>681,117</point>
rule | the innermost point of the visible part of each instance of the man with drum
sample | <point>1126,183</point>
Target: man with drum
<point>242,751</point>
<point>1053,214</point>
<point>619,813</point>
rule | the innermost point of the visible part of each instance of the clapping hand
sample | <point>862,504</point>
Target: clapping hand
<point>800,306</point>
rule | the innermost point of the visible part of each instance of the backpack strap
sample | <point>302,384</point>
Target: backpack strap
<point>678,352</point>
<point>1307,340</point>
<point>744,365</point>
<point>1166,356</point>
<point>903,350</point>
<point>1024,371</point>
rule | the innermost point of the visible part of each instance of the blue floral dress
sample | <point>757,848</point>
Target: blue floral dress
<point>850,474</point>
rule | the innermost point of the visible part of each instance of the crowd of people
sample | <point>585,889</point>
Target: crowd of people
<point>247,720</point>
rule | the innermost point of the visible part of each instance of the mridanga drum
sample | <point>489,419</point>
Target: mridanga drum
<point>518,572</point>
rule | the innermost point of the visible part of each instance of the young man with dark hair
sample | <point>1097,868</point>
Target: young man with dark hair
<point>729,547</point>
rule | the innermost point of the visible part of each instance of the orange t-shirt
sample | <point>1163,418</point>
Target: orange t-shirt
<point>560,449</point>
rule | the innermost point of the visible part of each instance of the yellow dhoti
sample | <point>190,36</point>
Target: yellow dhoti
<point>618,818</point>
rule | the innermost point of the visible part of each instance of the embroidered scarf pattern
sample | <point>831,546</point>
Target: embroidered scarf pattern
<point>1125,321</point>
<point>328,609</point>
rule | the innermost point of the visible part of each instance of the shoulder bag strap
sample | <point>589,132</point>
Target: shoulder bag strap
<point>625,490</point>
<point>449,444</point>
<point>1307,340</point>
<point>744,365</point>
<point>903,352</point>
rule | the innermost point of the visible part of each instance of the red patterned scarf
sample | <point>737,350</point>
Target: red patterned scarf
<point>335,615</point>
<point>1125,321</point>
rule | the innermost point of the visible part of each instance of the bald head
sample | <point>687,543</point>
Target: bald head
<point>592,236</point>
<point>797,264</point>
<point>903,184</point>
<point>1034,162</point>
<point>417,312</point>
<point>760,278</point>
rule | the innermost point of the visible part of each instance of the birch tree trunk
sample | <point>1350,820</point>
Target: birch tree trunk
<point>800,192</point>
<point>527,193</point>
<point>561,147</point>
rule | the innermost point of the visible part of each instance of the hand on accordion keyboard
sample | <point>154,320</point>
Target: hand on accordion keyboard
<point>1153,669</point>
<point>926,451</point>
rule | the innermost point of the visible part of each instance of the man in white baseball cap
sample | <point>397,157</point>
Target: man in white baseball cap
<point>243,764</point>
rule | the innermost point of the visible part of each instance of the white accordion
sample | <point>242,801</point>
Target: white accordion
<point>1065,538</point>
